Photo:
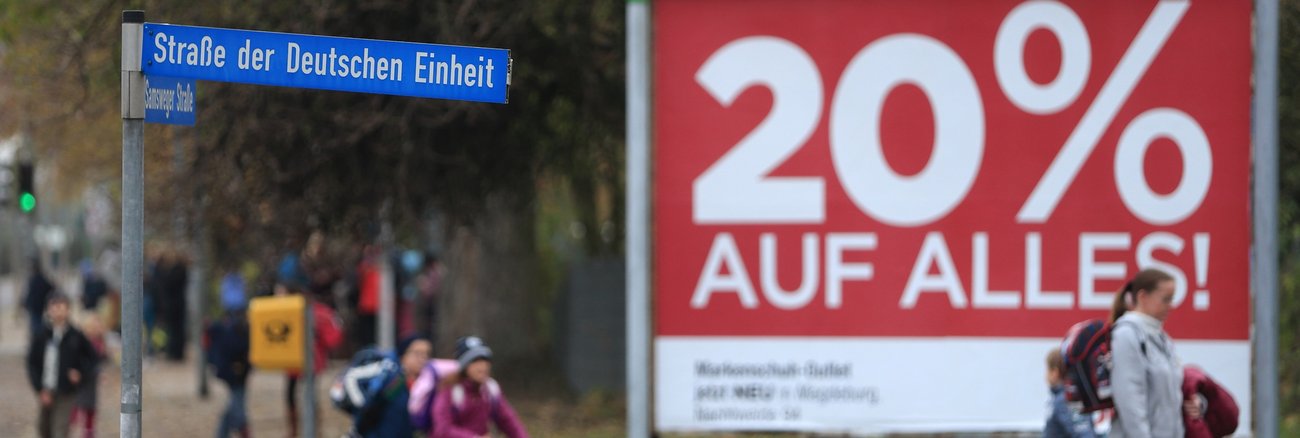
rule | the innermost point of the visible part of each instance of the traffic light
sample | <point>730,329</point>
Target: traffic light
<point>26,187</point>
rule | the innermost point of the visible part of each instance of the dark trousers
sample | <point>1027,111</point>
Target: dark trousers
<point>175,327</point>
<point>35,321</point>
<point>235,417</point>
<point>291,403</point>
<point>55,420</point>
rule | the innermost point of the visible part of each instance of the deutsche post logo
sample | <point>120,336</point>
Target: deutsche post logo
<point>277,331</point>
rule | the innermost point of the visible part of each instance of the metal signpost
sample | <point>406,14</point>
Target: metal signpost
<point>309,369</point>
<point>160,63</point>
<point>132,220</point>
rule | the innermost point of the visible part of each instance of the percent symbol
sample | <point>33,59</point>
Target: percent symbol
<point>1156,123</point>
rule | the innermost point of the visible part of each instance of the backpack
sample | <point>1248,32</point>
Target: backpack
<point>423,393</point>
<point>226,345</point>
<point>490,390</point>
<point>420,404</point>
<point>1086,351</point>
<point>365,377</point>
<point>1088,364</point>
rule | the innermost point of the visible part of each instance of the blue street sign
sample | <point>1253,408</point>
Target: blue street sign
<point>169,100</point>
<point>327,63</point>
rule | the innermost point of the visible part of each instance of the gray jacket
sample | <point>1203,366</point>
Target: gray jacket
<point>1147,384</point>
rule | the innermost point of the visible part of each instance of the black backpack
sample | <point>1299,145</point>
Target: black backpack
<point>1088,364</point>
<point>227,349</point>
<point>1086,350</point>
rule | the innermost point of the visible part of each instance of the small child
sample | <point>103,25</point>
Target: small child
<point>1063,422</point>
<point>84,413</point>
<point>58,358</point>
<point>227,353</point>
<point>469,401</point>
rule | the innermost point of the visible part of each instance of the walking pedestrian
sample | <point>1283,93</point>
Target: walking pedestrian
<point>328,333</point>
<point>39,288</point>
<point>386,414</point>
<point>174,275</point>
<point>93,287</point>
<point>414,352</point>
<point>58,358</point>
<point>1147,376</point>
<point>84,414</point>
<point>1063,422</point>
<point>429,286</point>
<point>468,401</point>
<point>227,353</point>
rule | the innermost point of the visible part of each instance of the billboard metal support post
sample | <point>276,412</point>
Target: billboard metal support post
<point>638,216</point>
<point>132,220</point>
<point>1265,211</point>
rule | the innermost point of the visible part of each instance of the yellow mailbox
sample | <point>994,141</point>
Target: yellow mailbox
<point>275,326</point>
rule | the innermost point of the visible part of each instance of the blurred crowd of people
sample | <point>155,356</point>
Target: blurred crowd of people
<point>348,277</point>
<point>343,282</point>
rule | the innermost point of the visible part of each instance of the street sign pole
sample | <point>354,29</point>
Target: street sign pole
<point>308,426</point>
<point>132,220</point>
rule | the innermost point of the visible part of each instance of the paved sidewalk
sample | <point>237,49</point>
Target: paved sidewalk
<point>171,404</point>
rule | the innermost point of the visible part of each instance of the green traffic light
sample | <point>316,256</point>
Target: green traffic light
<point>27,202</point>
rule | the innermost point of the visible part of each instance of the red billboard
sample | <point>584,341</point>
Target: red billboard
<point>936,169</point>
<point>874,147</point>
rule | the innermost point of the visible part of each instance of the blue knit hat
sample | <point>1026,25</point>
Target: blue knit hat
<point>406,342</point>
<point>232,292</point>
<point>290,272</point>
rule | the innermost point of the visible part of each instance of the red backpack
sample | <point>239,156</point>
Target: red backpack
<point>1086,350</point>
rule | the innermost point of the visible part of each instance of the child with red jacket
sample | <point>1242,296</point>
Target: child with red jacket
<point>329,335</point>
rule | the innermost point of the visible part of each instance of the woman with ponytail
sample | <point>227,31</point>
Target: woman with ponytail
<point>1120,305</point>
<point>1147,375</point>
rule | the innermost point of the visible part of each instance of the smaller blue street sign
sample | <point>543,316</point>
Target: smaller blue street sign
<point>169,100</point>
